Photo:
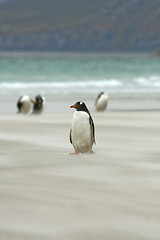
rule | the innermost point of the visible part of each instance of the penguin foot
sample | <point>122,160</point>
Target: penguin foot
<point>90,151</point>
<point>74,153</point>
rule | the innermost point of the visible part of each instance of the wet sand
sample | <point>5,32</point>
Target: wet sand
<point>45,193</point>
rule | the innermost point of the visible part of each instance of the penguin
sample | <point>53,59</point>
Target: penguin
<point>38,104</point>
<point>24,104</point>
<point>82,132</point>
<point>101,102</point>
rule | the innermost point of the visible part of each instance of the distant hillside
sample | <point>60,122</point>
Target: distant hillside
<point>80,25</point>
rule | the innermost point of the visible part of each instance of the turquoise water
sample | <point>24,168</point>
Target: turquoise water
<point>54,75</point>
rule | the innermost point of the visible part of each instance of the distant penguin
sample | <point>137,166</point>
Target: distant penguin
<point>82,132</point>
<point>24,104</point>
<point>101,102</point>
<point>38,104</point>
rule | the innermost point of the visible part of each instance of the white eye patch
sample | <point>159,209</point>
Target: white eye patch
<point>81,103</point>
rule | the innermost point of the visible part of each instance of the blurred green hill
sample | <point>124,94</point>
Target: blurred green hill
<point>80,25</point>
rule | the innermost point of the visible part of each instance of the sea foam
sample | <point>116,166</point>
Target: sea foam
<point>115,87</point>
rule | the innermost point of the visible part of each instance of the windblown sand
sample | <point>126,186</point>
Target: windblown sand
<point>45,193</point>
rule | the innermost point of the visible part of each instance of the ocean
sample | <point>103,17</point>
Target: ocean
<point>132,81</point>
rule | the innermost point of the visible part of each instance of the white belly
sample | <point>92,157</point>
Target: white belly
<point>81,133</point>
<point>102,103</point>
<point>26,104</point>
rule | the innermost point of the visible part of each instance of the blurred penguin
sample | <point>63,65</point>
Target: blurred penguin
<point>24,104</point>
<point>82,132</point>
<point>101,102</point>
<point>38,104</point>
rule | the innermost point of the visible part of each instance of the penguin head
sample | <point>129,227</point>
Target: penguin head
<point>19,104</point>
<point>100,94</point>
<point>80,106</point>
<point>38,99</point>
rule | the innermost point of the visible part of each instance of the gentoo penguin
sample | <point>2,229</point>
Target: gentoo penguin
<point>82,132</point>
<point>24,104</point>
<point>101,101</point>
<point>38,104</point>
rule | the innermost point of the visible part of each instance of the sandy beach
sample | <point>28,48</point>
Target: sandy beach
<point>45,193</point>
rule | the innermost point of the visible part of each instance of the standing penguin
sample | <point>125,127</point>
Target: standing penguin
<point>24,104</point>
<point>38,104</point>
<point>101,101</point>
<point>82,133</point>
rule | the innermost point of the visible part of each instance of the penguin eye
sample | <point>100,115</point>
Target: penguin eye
<point>81,103</point>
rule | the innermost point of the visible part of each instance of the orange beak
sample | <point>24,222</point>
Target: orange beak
<point>73,106</point>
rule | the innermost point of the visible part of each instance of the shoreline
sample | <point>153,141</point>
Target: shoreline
<point>60,106</point>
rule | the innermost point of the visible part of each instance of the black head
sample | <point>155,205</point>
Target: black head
<point>80,106</point>
<point>100,94</point>
<point>38,103</point>
<point>38,99</point>
<point>19,104</point>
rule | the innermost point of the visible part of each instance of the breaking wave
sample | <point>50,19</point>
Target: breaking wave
<point>113,86</point>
